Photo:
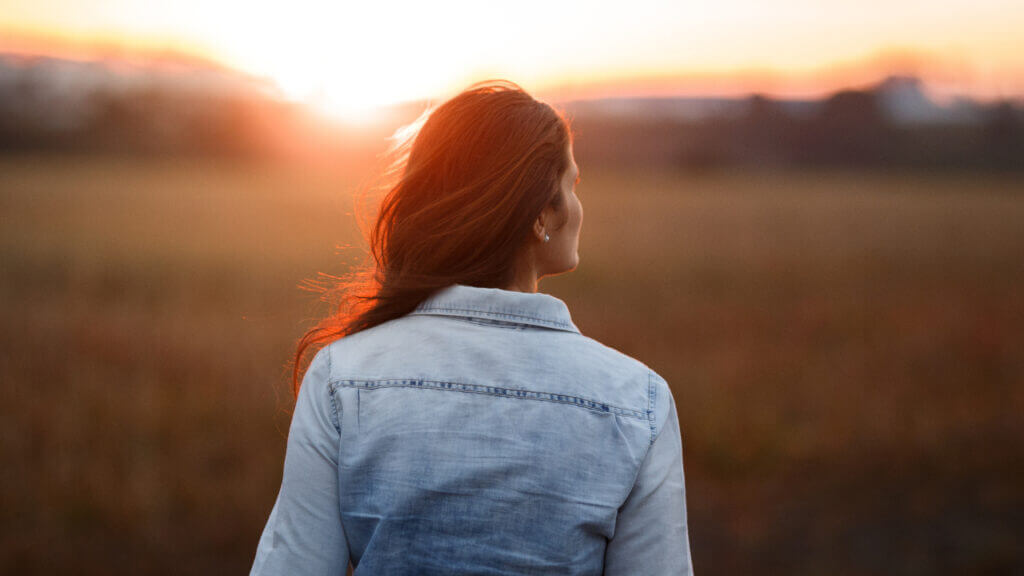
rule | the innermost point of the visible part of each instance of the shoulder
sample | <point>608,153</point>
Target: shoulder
<point>314,405</point>
<point>641,382</point>
<point>611,355</point>
<point>662,403</point>
<point>317,390</point>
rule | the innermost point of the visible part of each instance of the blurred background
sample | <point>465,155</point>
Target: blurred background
<point>807,215</point>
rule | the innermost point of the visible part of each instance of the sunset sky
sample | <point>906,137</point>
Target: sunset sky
<point>349,56</point>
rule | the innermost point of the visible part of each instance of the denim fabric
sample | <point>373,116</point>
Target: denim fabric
<point>479,434</point>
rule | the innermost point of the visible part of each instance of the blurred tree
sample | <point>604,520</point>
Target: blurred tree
<point>850,128</point>
<point>1003,145</point>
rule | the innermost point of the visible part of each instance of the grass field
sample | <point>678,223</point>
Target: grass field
<point>846,351</point>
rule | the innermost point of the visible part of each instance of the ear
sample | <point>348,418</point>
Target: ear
<point>538,225</point>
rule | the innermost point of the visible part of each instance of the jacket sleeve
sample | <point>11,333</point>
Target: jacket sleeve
<point>651,535</point>
<point>304,534</point>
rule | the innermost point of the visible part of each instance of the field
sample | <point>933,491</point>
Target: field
<point>846,350</point>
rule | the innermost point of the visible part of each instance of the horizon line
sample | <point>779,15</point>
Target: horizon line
<point>807,84</point>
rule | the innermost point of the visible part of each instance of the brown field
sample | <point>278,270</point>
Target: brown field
<point>846,351</point>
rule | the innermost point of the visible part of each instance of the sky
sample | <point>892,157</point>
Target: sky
<point>352,56</point>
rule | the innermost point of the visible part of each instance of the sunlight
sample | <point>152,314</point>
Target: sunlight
<point>349,111</point>
<point>343,69</point>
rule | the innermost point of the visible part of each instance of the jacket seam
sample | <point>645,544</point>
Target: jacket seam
<point>335,418</point>
<point>487,313</point>
<point>491,322</point>
<point>499,391</point>
<point>647,449</point>
<point>650,403</point>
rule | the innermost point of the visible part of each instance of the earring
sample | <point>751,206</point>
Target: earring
<point>546,237</point>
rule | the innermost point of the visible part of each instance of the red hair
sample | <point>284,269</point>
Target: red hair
<point>472,179</point>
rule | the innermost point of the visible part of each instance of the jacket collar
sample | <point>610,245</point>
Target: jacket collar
<point>534,309</point>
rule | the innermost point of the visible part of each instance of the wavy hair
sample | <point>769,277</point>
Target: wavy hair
<point>472,175</point>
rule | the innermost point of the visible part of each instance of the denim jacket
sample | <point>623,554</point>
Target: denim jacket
<point>479,434</point>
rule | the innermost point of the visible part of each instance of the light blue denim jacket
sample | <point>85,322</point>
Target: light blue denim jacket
<point>479,434</point>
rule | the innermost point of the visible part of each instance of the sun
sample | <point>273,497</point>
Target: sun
<point>351,113</point>
<point>346,60</point>
<point>340,103</point>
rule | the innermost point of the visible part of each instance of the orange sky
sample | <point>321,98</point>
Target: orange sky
<point>347,57</point>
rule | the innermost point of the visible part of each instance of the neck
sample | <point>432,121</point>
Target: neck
<point>526,277</point>
<point>520,285</point>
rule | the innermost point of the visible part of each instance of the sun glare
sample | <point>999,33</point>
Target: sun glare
<point>353,111</point>
<point>346,60</point>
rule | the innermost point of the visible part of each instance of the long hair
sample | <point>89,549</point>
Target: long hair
<point>471,180</point>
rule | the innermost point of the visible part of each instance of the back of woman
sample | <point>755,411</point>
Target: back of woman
<point>455,420</point>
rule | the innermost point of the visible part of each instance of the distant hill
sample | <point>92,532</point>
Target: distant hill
<point>894,123</point>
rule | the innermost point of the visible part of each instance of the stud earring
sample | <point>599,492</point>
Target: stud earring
<point>546,237</point>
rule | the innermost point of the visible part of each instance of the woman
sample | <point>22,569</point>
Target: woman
<point>455,420</point>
